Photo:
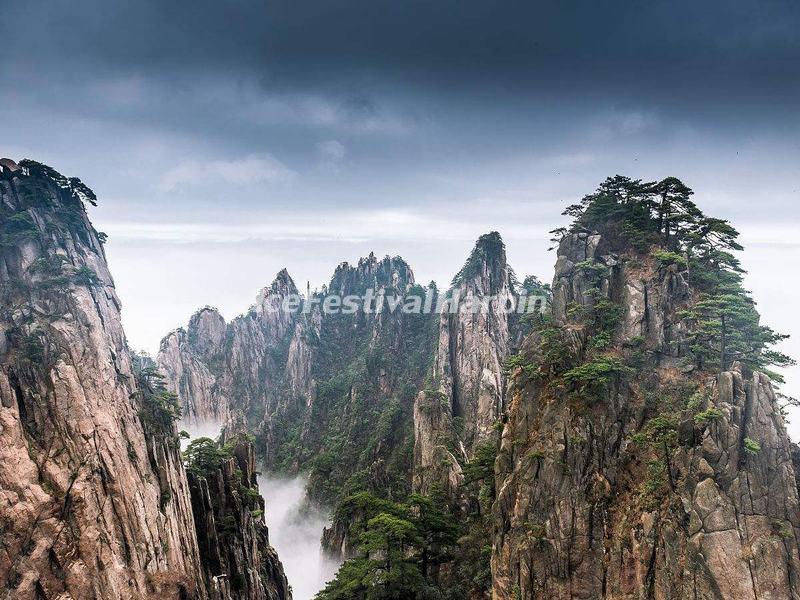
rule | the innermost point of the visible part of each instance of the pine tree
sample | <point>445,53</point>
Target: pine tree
<point>661,216</point>
<point>726,329</point>
<point>676,213</point>
<point>437,531</point>
<point>400,549</point>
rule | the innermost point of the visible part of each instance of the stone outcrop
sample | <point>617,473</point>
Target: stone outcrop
<point>668,484</point>
<point>191,379</point>
<point>250,361</point>
<point>94,498</point>
<point>467,375</point>
<point>238,561</point>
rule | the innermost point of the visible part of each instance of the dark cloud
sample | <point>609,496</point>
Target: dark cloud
<point>419,96</point>
<point>449,42</point>
<point>229,139</point>
<point>242,70</point>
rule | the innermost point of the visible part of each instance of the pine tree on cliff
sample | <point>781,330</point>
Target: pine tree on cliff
<point>401,547</point>
<point>674,207</point>
<point>661,217</point>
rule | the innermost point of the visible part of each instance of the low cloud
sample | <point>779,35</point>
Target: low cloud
<point>295,529</point>
<point>250,170</point>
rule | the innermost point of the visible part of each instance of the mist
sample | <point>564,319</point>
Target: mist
<point>295,530</point>
<point>209,429</point>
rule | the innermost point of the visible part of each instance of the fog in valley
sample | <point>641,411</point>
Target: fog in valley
<point>295,531</point>
<point>209,429</point>
<point>295,528</point>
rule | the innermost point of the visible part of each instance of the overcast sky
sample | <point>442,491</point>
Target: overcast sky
<point>227,140</point>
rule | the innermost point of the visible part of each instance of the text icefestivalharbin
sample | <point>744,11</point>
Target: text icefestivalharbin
<point>377,301</point>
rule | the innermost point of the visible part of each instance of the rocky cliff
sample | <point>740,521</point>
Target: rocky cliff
<point>238,560</point>
<point>461,407</point>
<point>183,359</point>
<point>95,499</point>
<point>255,364</point>
<point>629,468</point>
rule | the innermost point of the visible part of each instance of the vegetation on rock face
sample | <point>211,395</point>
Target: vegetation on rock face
<point>594,377</point>
<point>354,433</point>
<point>359,435</point>
<point>159,408</point>
<point>665,257</point>
<point>615,392</point>
<point>16,228</point>
<point>421,547</point>
<point>725,326</point>
<point>400,549</point>
<point>488,251</point>
<point>229,509</point>
<point>751,446</point>
<point>203,456</point>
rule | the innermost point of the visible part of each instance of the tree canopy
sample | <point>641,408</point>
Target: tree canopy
<point>400,546</point>
<point>661,218</point>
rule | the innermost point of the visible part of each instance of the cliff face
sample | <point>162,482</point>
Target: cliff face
<point>95,498</point>
<point>190,378</point>
<point>461,407</point>
<point>246,364</point>
<point>91,506</point>
<point>663,482</point>
<point>311,383</point>
<point>238,561</point>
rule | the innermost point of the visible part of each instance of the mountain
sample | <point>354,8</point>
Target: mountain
<point>645,454</point>
<point>313,385</point>
<point>463,402</point>
<point>625,441</point>
<point>385,402</point>
<point>96,500</point>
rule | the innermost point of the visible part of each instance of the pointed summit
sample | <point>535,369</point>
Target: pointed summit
<point>283,284</point>
<point>486,266</point>
<point>206,331</point>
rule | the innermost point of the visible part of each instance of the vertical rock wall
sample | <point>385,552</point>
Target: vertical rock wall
<point>94,498</point>
<point>461,407</point>
<point>653,489</point>
<point>87,510</point>
<point>238,561</point>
